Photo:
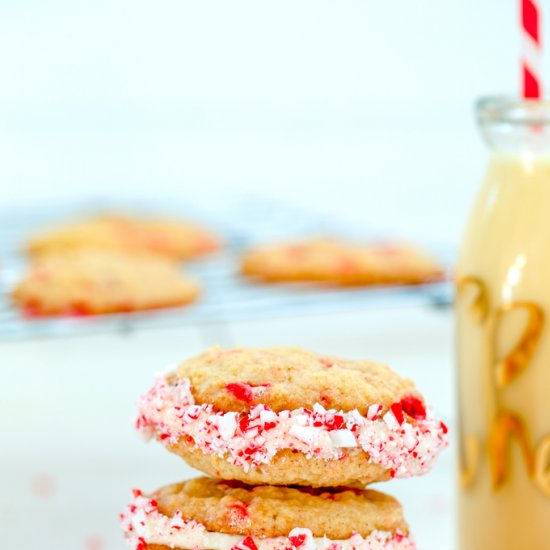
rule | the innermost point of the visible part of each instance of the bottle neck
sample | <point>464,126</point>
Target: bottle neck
<point>515,127</point>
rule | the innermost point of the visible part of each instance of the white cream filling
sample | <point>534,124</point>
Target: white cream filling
<point>168,412</point>
<point>223,541</point>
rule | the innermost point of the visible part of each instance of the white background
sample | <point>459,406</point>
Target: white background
<point>357,108</point>
<point>361,107</point>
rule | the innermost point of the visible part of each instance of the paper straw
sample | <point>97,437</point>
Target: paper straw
<point>531,82</point>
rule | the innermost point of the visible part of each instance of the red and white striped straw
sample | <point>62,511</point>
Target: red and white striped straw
<point>531,81</point>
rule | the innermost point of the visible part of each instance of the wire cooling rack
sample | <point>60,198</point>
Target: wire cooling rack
<point>226,295</point>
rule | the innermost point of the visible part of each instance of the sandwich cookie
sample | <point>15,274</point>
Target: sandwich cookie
<point>291,417</point>
<point>209,514</point>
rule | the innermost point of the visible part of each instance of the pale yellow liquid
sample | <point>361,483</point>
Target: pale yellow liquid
<point>506,246</point>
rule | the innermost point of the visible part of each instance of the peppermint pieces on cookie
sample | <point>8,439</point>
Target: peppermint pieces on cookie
<point>285,416</point>
<point>211,514</point>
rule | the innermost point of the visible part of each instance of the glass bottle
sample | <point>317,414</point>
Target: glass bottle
<point>503,336</point>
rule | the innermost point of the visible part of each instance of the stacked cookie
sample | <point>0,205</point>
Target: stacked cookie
<point>289,438</point>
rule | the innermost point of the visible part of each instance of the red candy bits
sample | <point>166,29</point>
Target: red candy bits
<point>243,391</point>
<point>297,540</point>
<point>414,407</point>
<point>237,513</point>
<point>247,544</point>
<point>397,411</point>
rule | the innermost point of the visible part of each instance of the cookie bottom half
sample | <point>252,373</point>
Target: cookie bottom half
<point>290,468</point>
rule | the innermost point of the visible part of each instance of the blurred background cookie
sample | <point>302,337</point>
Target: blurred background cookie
<point>88,282</point>
<point>211,514</point>
<point>172,238</point>
<point>338,262</point>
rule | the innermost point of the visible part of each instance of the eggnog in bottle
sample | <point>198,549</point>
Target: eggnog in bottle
<point>503,337</point>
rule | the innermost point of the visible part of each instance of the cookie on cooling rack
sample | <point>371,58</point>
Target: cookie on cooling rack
<point>172,238</point>
<point>88,282</point>
<point>205,513</point>
<point>336,262</point>
<point>291,417</point>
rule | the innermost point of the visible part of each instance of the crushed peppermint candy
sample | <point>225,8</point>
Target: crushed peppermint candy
<point>405,440</point>
<point>246,392</point>
<point>143,524</point>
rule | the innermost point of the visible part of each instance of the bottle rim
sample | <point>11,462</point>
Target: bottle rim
<point>512,111</point>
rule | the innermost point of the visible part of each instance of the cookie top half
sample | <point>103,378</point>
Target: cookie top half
<point>222,515</point>
<point>271,511</point>
<point>286,378</point>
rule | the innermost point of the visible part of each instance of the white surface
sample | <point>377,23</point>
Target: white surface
<point>66,407</point>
